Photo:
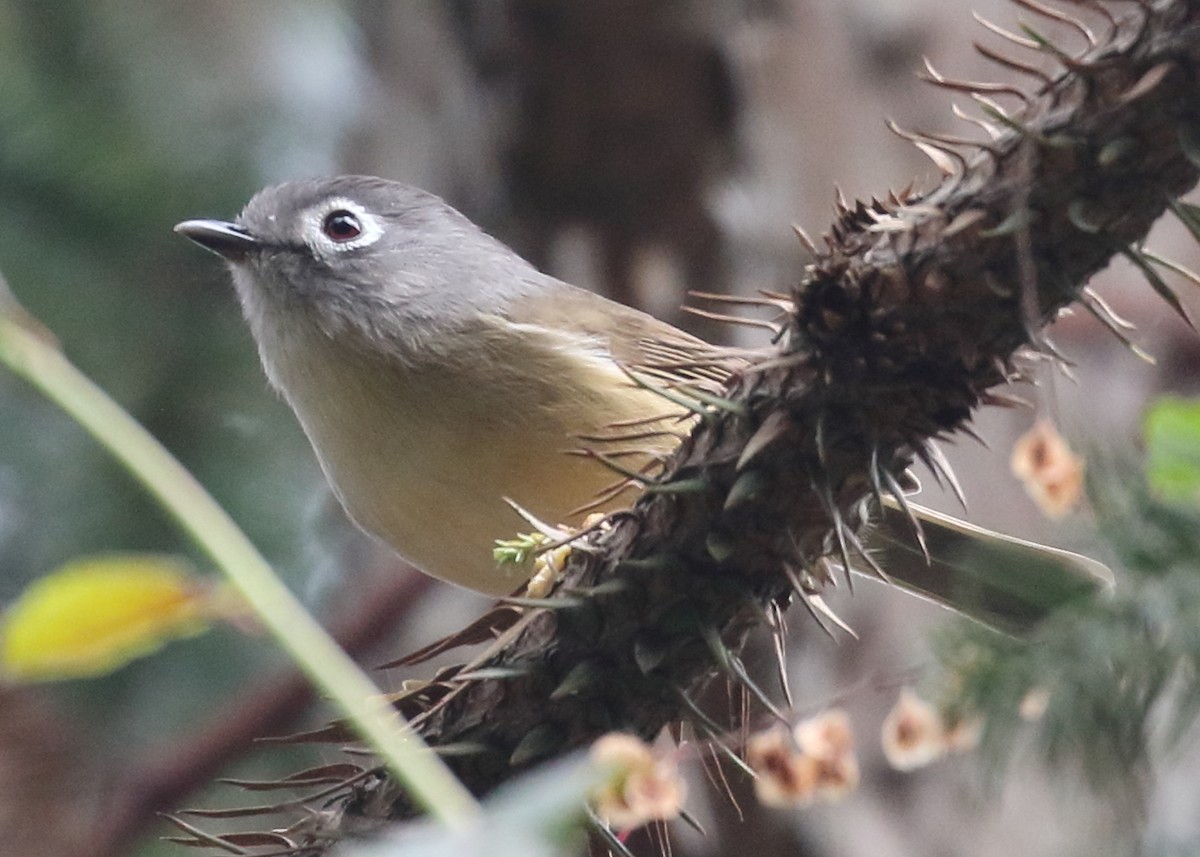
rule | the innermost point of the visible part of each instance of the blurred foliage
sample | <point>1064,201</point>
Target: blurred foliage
<point>539,814</point>
<point>95,614</point>
<point>1173,449</point>
<point>1109,688</point>
<point>120,119</point>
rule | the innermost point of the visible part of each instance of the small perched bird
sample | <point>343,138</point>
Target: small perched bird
<point>436,373</point>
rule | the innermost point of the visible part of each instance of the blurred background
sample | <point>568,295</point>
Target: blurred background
<point>637,148</point>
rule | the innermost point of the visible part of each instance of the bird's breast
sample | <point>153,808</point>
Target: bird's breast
<point>422,454</point>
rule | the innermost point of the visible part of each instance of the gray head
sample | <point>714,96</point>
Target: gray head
<point>362,256</point>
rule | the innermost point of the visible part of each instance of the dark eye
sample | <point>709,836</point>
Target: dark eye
<point>342,226</point>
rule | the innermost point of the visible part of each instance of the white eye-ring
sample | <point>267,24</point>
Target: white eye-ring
<point>341,224</point>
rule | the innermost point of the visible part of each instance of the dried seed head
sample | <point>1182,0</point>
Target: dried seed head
<point>826,735</point>
<point>785,777</point>
<point>829,740</point>
<point>639,786</point>
<point>913,733</point>
<point>1051,472</point>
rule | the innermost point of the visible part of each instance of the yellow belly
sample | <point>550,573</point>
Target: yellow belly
<point>423,458</point>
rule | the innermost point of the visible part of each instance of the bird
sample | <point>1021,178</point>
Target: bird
<point>442,380</point>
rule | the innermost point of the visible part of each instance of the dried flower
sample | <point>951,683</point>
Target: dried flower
<point>639,786</point>
<point>1051,472</point>
<point>829,740</point>
<point>784,775</point>
<point>837,776</point>
<point>826,735</point>
<point>913,733</point>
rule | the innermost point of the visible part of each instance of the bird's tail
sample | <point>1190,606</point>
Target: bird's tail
<point>1004,582</point>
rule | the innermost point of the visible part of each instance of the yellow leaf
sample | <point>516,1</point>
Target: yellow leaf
<point>94,615</point>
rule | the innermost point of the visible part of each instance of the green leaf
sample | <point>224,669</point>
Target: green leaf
<point>1172,429</point>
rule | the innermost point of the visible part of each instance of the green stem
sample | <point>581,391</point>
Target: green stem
<point>426,778</point>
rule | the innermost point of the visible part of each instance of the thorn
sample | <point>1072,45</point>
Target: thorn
<point>818,603</point>
<point>898,493</point>
<point>840,201</point>
<point>943,463</point>
<point>718,546</point>
<point>1061,17</point>
<point>716,740</point>
<point>988,128</point>
<point>1146,82</point>
<point>633,476</point>
<point>611,840</point>
<point>611,586</point>
<point>1043,43</point>
<point>1188,215</point>
<point>950,163</point>
<point>691,821</point>
<point>559,602</point>
<point>1121,322</point>
<point>1157,283</point>
<point>974,435</point>
<point>1186,273</point>
<point>766,299</point>
<point>649,653</point>
<point>725,318</point>
<point>1005,34</point>
<point>492,674</point>
<point>819,440</point>
<point>937,153</point>
<point>1090,302</point>
<point>1101,10</point>
<point>1116,151</point>
<point>806,241</point>
<point>643,382</point>
<point>876,486</point>
<point>775,426</point>
<point>994,110</point>
<point>630,437</point>
<point>1003,400</point>
<point>721,403</point>
<point>953,140</point>
<point>199,836</point>
<point>696,485</point>
<point>805,596</point>
<point>539,742</point>
<point>582,676</point>
<point>972,87</point>
<point>839,527</point>
<point>539,525</point>
<point>702,718</point>
<point>779,641</point>
<point>1015,65</point>
<point>963,221</point>
<point>1078,215</point>
<point>602,497</point>
<point>862,551</point>
<point>1019,220</point>
<point>461,749</point>
<point>748,487</point>
<point>723,785</point>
